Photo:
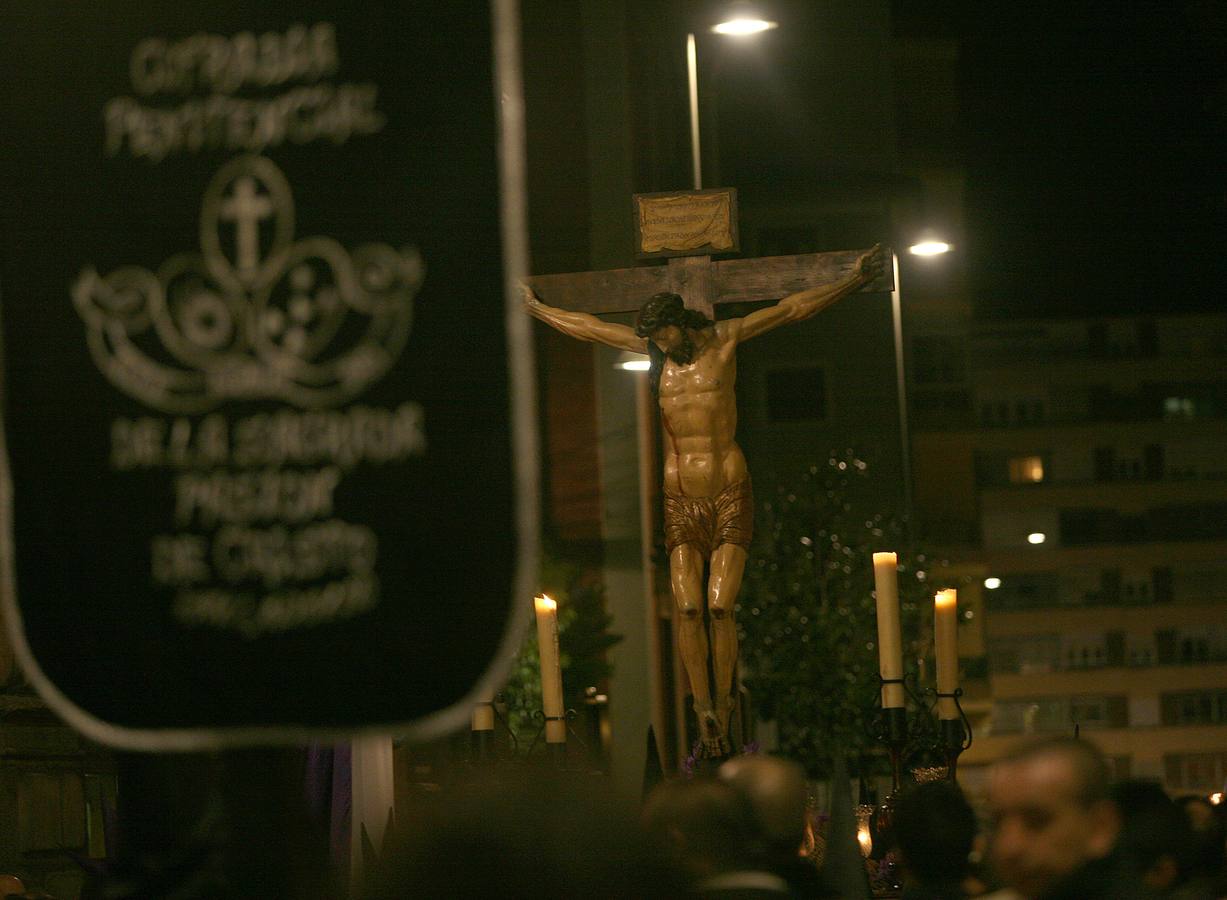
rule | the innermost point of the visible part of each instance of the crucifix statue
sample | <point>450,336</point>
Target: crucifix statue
<point>708,503</point>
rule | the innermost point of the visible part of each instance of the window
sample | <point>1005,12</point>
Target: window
<point>1025,655</point>
<point>998,468</point>
<point>1054,715</point>
<point>1194,708</point>
<point>1162,584</point>
<point>1191,646</point>
<point>1178,408</point>
<point>1026,469</point>
<point>796,394</point>
<point>1027,590</point>
<point>1089,712</point>
<point>1194,649</point>
<point>1195,771</point>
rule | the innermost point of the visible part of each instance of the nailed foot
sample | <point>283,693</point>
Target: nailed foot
<point>712,741</point>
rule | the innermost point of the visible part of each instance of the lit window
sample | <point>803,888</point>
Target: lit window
<point>1026,469</point>
<point>1178,407</point>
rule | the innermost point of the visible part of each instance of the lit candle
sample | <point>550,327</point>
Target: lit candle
<point>946,639</point>
<point>551,669</point>
<point>890,645</point>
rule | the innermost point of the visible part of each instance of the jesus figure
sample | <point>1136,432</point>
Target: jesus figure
<point>709,506</point>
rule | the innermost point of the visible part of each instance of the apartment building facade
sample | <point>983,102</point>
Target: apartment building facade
<point>1079,469</point>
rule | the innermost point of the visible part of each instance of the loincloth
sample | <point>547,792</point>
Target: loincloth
<point>708,522</point>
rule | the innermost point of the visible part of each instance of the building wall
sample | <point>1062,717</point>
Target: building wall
<point>1105,436</point>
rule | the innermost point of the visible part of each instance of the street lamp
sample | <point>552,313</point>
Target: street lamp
<point>741,25</point>
<point>929,248</point>
<point>928,245</point>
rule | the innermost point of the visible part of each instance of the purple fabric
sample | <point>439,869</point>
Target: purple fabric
<point>317,781</point>
<point>330,797</point>
<point>342,803</point>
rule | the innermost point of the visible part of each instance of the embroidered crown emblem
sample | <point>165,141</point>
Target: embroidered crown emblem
<point>254,314</point>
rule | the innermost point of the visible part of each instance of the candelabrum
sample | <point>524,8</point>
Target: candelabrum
<point>484,742</point>
<point>921,745</point>
<point>556,751</point>
<point>578,741</point>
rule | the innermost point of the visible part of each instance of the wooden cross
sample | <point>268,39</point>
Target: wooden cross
<point>701,282</point>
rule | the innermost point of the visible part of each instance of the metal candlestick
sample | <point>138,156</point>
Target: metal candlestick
<point>955,734</point>
<point>482,744</point>
<point>557,753</point>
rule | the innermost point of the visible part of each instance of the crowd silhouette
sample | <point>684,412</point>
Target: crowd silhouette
<point>1051,825</point>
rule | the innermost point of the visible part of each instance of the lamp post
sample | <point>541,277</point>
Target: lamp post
<point>928,246</point>
<point>741,25</point>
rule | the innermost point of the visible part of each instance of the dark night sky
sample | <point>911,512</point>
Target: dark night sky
<point>1095,140</point>
<point>1093,136</point>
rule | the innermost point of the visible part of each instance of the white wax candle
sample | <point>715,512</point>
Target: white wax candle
<point>483,712</point>
<point>946,640</point>
<point>890,644</point>
<point>551,669</point>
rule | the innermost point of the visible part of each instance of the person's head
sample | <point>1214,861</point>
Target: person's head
<point>703,825</point>
<point>525,835</point>
<point>1050,813</point>
<point>666,322</point>
<point>665,311</point>
<point>1156,842</point>
<point>935,828</point>
<point>774,789</point>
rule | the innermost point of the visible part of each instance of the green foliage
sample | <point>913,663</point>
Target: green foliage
<point>583,639</point>
<point>807,618</point>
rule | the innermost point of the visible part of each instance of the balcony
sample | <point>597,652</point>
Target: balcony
<point>1175,522</point>
<point>1044,595</point>
<point>1005,664</point>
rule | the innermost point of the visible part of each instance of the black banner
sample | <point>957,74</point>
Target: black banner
<point>256,375</point>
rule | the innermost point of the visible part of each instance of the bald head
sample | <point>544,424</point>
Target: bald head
<point>1050,814</point>
<point>775,790</point>
<point>1086,770</point>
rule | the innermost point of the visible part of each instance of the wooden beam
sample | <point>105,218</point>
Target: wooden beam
<point>614,290</point>
<point>773,277</point>
<point>700,281</point>
<point>692,278</point>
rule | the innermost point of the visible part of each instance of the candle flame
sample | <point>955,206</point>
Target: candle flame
<point>864,837</point>
<point>890,557</point>
<point>948,597</point>
<point>544,603</point>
